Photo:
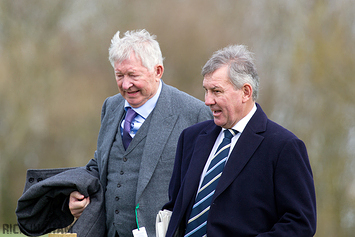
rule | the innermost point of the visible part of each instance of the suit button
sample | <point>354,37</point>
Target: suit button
<point>125,159</point>
<point>118,185</point>
<point>121,172</point>
<point>117,198</point>
<point>31,180</point>
<point>117,211</point>
<point>39,179</point>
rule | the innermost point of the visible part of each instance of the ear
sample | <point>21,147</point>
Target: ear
<point>247,92</point>
<point>159,70</point>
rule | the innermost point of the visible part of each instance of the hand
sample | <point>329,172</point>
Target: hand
<point>77,203</point>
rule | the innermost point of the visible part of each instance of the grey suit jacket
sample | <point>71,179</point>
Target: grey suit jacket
<point>174,111</point>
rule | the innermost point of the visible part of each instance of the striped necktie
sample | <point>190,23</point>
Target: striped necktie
<point>197,223</point>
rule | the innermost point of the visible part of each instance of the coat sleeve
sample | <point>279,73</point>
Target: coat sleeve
<point>294,192</point>
<point>40,208</point>
<point>176,178</point>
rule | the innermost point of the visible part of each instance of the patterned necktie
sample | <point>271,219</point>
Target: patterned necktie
<point>126,138</point>
<point>196,225</point>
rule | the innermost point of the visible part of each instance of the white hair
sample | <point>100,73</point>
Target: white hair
<point>139,42</point>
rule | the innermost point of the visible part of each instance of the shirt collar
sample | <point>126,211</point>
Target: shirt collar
<point>244,121</point>
<point>148,106</point>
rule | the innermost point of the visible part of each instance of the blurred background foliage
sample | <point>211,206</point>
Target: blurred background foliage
<point>55,75</point>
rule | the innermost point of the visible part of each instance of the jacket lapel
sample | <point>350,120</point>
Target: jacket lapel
<point>109,128</point>
<point>161,125</point>
<point>202,150</point>
<point>245,147</point>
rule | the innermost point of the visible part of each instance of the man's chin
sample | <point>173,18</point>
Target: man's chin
<point>218,122</point>
<point>135,103</point>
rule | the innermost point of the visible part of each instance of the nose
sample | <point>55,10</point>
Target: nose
<point>126,83</point>
<point>209,99</point>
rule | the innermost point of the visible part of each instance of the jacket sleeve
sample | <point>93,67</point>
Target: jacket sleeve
<point>176,178</point>
<point>294,192</point>
<point>40,208</point>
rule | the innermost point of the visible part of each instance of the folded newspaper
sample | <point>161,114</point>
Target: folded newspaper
<point>162,222</point>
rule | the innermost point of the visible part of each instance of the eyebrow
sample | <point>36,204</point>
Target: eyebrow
<point>128,72</point>
<point>213,88</point>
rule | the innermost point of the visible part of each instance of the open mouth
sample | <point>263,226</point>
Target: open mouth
<point>216,112</point>
<point>131,93</point>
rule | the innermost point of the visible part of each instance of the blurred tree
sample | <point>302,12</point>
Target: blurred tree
<point>318,104</point>
<point>46,100</point>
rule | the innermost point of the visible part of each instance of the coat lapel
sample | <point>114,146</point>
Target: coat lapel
<point>109,128</point>
<point>161,125</point>
<point>245,147</point>
<point>202,150</point>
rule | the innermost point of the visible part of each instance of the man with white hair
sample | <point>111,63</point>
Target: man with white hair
<point>139,132</point>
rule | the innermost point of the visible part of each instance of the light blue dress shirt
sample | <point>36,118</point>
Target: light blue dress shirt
<point>143,112</point>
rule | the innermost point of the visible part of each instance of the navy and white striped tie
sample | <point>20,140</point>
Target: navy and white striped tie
<point>196,225</point>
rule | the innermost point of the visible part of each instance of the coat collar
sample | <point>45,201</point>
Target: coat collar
<point>248,142</point>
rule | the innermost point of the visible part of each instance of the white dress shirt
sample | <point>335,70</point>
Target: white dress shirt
<point>238,127</point>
